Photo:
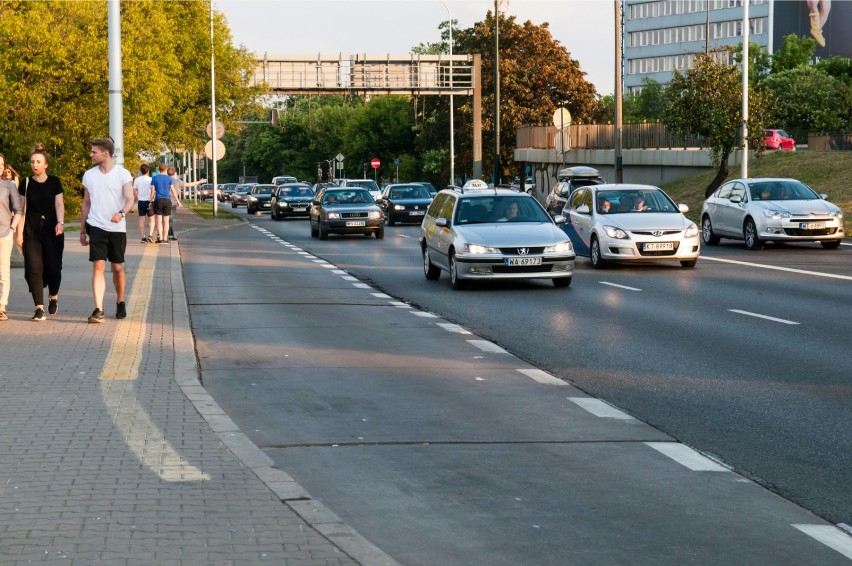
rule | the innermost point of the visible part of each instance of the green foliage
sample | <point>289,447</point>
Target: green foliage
<point>54,80</point>
<point>795,52</point>
<point>807,100</point>
<point>759,62</point>
<point>838,67</point>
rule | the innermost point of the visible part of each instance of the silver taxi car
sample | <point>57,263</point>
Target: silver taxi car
<point>493,234</point>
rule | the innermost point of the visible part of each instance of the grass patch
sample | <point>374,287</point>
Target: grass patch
<point>828,172</point>
<point>205,210</point>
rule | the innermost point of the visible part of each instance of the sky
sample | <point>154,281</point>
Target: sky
<point>331,27</point>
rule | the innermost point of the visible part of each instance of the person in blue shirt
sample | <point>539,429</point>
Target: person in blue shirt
<point>162,190</point>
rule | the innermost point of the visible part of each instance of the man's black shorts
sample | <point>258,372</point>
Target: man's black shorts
<point>104,245</point>
<point>163,207</point>
<point>144,205</point>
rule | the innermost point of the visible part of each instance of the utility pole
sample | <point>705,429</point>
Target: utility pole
<point>619,173</point>
<point>497,168</point>
<point>116,105</point>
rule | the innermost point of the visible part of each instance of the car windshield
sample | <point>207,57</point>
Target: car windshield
<point>297,192</point>
<point>354,196</point>
<point>499,208</point>
<point>367,184</point>
<point>782,190</point>
<point>634,200</point>
<point>263,190</point>
<point>409,191</point>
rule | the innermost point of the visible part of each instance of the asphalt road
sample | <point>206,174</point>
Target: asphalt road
<point>735,359</point>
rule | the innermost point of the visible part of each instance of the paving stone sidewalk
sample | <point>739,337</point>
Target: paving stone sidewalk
<point>110,450</point>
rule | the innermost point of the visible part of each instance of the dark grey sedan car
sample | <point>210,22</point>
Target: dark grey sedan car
<point>260,198</point>
<point>405,203</point>
<point>346,210</point>
<point>291,199</point>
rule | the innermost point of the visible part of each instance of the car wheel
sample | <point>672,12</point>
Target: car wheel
<point>688,262</point>
<point>752,241</point>
<point>431,271</point>
<point>314,231</point>
<point>380,233</point>
<point>707,232</point>
<point>830,244</point>
<point>562,282</point>
<point>455,281</point>
<point>323,233</point>
<point>595,254</point>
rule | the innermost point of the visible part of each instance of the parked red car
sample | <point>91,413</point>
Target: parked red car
<point>779,139</point>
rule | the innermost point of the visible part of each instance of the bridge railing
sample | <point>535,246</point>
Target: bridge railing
<point>602,136</point>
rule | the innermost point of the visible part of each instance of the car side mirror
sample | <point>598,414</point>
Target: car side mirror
<point>683,208</point>
<point>823,196</point>
<point>736,199</point>
<point>442,222</point>
<point>559,219</point>
<point>583,209</point>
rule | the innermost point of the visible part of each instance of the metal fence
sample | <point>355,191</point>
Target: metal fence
<point>826,142</point>
<point>601,136</point>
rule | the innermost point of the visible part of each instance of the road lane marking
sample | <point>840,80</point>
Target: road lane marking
<point>400,304</point>
<point>404,236</point>
<point>619,286</point>
<point>423,314</point>
<point>449,327</point>
<point>348,278</point>
<point>541,376</point>
<point>830,536</point>
<point>381,295</point>
<point>487,346</point>
<point>599,408</point>
<point>776,268</point>
<point>329,266</point>
<point>756,315</point>
<point>120,371</point>
<point>338,272</point>
<point>361,285</point>
<point>686,456</point>
<point>319,261</point>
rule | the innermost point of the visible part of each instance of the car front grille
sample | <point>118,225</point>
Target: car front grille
<point>529,251</point>
<point>821,232</point>
<point>354,215</point>
<point>544,268</point>
<point>656,233</point>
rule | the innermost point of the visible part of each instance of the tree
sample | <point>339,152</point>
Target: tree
<point>707,100</point>
<point>808,100</point>
<point>759,62</point>
<point>795,52</point>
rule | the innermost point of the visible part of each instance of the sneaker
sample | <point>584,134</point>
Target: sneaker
<point>144,240</point>
<point>3,315</point>
<point>53,306</point>
<point>97,316</point>
<point>120,310</point>
<point>39,315</point>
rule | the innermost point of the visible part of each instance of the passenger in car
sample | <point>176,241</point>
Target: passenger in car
<point>510,213</point>
<point>604,206</point>
<point>639,204</point>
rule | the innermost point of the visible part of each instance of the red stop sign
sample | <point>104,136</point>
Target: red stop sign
<point>375,163</point>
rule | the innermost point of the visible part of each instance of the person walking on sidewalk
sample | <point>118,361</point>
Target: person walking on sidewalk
<point>10,216</point>
<point>163,189</point>
<point>180,187</point>
<point>107,197</point>
<point>142,192</point>
<point>42,233</point>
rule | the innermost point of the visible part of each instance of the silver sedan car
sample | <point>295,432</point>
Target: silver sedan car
<point>493,234</point>
<point>777,210</point>
<point>630,223</point>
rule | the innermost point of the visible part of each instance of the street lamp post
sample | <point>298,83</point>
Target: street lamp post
<point>497,174</point>
<point>452,125</point>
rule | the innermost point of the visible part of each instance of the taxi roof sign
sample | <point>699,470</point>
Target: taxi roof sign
<point>475,184</point>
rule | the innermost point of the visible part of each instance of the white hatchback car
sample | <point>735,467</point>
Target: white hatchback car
<point>630,223</point>
<point>778,210</point>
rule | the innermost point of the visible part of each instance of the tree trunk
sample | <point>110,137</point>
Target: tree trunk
<point>721,174</point>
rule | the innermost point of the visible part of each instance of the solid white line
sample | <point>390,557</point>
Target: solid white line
<point>845,244</point>
<point>619,286</point>
<point>423,314</point>
<point>830,536</point>
<point>772,318</point>
<point>599,408</point>
<point>686,456</point>
<point>542,377</point>
<point>487,346</point>
<point>789,269</point>
<point>453,328</point>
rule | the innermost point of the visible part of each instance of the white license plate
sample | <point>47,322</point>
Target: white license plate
<point>520,261</point>
<point>811,225</point>
<point>300,208</point>
<point>418,213</point>
<point>660,247</point>
<point>266,205</point>
<point>350,223</point>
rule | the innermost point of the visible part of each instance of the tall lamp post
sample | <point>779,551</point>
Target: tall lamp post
<point>497,175</point>
<point>452,126</point>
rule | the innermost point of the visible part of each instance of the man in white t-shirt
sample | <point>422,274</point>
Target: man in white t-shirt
<point>142,192</point>
<point>107,197</point>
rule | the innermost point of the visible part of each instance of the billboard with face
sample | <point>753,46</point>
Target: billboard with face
<point>825,21</point>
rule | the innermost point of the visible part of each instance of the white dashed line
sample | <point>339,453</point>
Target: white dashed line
<point>599,408</point>
<point>686,456</point>
<point>328,265</point>
<point>295,249</point>
<point>772,318</point>
<point>453,328</point>
<point>319,261</point>
<point>380,295</point>
<point>348,278</point>
<point>338,272</point>
<point>830,536</point>
<point>788,269</point>
<point>619,286</point>
<point>361,285</point>
<point>308,256</point>
<point>404,236</point>
<point>423,314</point>
<point>487,346</point>
<point>400,304</point>
<point>542,377</point>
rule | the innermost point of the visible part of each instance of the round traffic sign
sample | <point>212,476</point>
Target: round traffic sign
<point>375,163</point>
<point>220,129</point>
<point>561,118</point>
<point>220,149</point>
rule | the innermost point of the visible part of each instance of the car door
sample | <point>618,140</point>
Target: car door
<point>716,205</point>
<point>731,213</point>
<point>436,237</point>
<point>578,224</point>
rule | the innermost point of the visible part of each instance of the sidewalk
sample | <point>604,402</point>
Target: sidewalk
<point>111,451</point>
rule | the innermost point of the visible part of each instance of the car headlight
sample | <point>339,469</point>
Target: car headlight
<point>691,231</point>
<point>283,203</point>
<point>477,249</point>
<point>252,199</point>
<point>616,233</point>
<point>561,247</point>
<point>837,213</point>
<point>332,215</point>
<point>776,214</point>
<point>375,214</point>
<point>398,207</point>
